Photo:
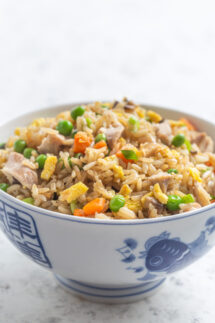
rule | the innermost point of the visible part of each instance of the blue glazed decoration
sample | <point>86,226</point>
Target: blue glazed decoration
<point>21,229</point>
<point>163,254</point>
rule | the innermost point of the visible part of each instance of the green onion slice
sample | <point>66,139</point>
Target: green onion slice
<point>188,145</point>
<point>129,154</point>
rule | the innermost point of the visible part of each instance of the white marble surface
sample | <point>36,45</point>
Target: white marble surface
<point>52,52</point>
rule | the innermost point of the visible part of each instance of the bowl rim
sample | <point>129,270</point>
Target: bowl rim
<point>73,218</point>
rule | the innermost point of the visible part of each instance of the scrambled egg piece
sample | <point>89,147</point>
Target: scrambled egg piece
<point>73,192</point>
<point>143,199</point>
<point>194,172</point>
<point>133,205</point>
<point>49,167</point>
<point>38,122</point>
<point>155,117</point>
<point>17,132</point>
<point>174,123</point>
<point>125,190</point>
<point>118,171</point>
<point>111,158</point>
<point>122,141</point>
<point>140,112</point>
<point>159,195</point>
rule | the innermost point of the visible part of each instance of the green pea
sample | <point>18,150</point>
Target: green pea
<point>172,170</point>
<point>178,140</point>
<point>73,206</point>
<point>2,145</point>
<point>188,199</point>
<point>77,112</point>
<point>100,137</point>
<point>173,202</point>
<point>19,146</point>
<point>4,187</point>
<point>117,202</point>
<point>28,152</point>
<point>104,106</point>
<point>64,127</point>
<point>41,160</point>
<point>134,123</point>
<point>29,200</point>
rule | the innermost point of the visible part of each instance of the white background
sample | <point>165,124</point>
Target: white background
<point>51,52</point>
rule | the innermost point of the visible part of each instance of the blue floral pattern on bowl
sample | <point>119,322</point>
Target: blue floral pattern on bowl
<point>21,230</point>
<point>163,254</point>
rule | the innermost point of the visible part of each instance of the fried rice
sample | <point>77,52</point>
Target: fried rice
<point>112,160</point>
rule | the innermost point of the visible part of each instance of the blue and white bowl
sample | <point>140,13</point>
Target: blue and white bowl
<point>113,261</point>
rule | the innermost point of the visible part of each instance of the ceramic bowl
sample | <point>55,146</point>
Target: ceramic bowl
<point>112,261</point>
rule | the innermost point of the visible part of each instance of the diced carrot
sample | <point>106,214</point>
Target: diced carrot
<point>100,144</point>
<point>95,206</point>
<point>187,123</point>
<point>79,212</point>
<point>82,141</point>
<point>212,201</point>
<point>122,157</point>
<point>208,163</point>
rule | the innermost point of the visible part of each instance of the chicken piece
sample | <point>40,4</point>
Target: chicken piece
<point>204,142</point>
<point>164,132</point>
<point>113,129</point>
<point>152,200</point>
<point>152,149</point>
<point>154,207</point>
<point>15,168</point>
<point>161,178</point>
<point>201,194</point>
<point>145,138</point>
<point>189,206</point>
<point>113,134</point>
<point>52,143</point>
